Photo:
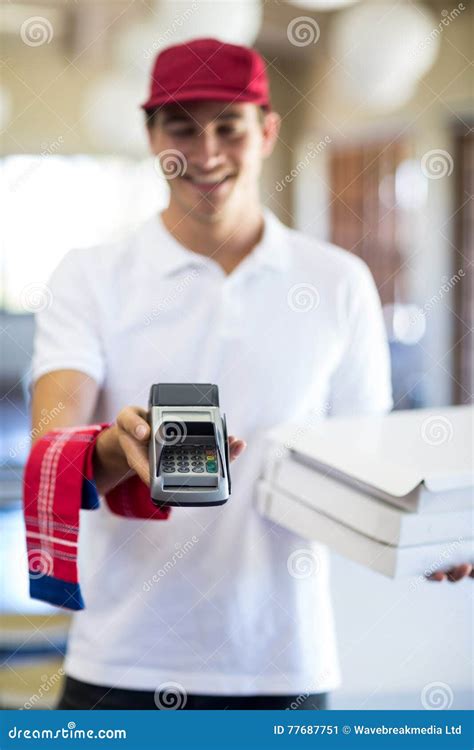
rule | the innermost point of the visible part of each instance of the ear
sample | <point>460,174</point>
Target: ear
<point>270,128</point>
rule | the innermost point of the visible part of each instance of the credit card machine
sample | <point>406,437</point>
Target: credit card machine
<point>189,448</point>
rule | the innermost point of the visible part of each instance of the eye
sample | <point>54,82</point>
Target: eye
<point>229,131</point>
<point>186,132</point>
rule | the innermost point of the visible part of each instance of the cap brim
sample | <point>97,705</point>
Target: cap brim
<point>206,95</point>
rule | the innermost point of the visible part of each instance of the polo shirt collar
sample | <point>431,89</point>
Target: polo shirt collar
<point>272,252</point>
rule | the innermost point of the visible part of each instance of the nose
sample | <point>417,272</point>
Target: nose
<point>206,153</point>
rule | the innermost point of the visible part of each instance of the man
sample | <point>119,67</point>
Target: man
<point>215,289</point>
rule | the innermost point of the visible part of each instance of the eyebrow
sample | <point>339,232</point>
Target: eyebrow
<point>183,117</point>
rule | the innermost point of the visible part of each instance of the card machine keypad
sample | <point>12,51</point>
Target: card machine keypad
<point>196,459</point>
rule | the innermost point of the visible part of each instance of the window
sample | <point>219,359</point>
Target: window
<point>54,203</point>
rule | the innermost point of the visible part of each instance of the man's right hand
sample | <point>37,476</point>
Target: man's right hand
<point>123,449</point>
<point>68,398</point>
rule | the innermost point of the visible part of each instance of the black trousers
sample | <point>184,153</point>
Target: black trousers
<point>84,696</point>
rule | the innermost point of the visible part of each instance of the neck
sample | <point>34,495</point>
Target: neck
<point>227,240</point>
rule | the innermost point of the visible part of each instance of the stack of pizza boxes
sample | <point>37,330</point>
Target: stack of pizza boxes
<point>393,493</point>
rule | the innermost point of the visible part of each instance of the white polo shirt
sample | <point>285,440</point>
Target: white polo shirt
<point>206,599</point>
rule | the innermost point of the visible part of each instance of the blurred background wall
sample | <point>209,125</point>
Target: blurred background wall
<point>376,155</point>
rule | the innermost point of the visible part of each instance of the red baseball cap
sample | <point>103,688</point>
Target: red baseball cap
<point>207,69</point>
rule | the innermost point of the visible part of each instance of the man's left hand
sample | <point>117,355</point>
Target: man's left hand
<point>454,574</point>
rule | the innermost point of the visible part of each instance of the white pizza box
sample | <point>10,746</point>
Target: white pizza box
<point>421,459</point>
<point>390,560</point>
<point>369,515</point>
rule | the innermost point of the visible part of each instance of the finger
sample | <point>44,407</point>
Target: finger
<point>438,576</point>
<point>458,572</point>
<point>137,457</point>
<point>233,441</point>
<point>133,420</point>
<point>235,452</point>
<point>236,447</point>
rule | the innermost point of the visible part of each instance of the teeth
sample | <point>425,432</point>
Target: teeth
<point>204,182</point>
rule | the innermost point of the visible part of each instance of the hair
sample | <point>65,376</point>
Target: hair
<point>151,115</point>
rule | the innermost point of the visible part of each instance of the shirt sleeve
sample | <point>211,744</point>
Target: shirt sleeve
<point>68,329</point>
<point>361,383</point>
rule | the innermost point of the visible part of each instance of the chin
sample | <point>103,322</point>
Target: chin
<point>206,209</point>
<point>207,214</point>
<point>203,209</point>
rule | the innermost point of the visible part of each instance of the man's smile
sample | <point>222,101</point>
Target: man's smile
<point>207,184</point>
